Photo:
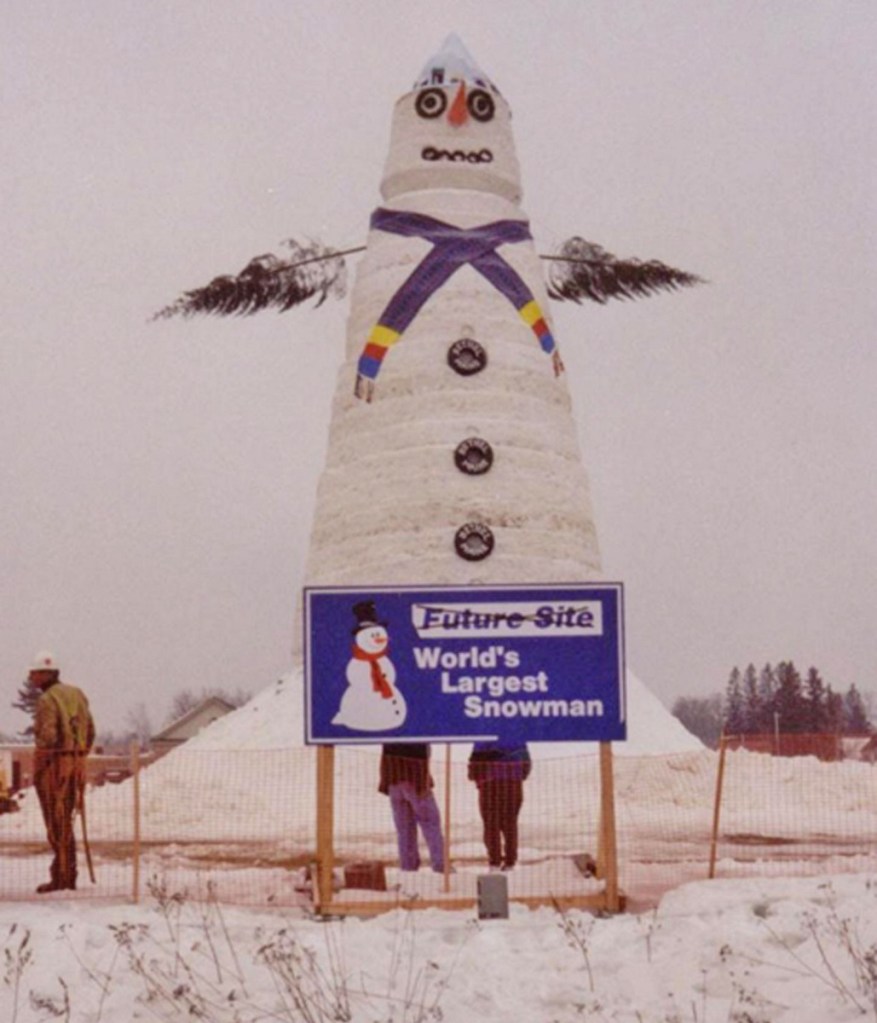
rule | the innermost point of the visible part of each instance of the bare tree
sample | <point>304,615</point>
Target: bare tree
<point>139,724</point>
<point>702,716</point>
<point>187,699</point>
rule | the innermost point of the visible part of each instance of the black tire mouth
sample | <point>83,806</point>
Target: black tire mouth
<point>431,153</point>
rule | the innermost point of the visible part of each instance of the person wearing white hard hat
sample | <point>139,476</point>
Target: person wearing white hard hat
<point>63,736</point>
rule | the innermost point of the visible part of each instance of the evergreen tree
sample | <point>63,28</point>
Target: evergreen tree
<point>767,685</point>
<point>788,701</point>
<point>855,717</point>
<point>869,698</point>
<point>817,705</point>
<point>834,711</point>
<point>753,710</point>
<point>26,700</point>
<point>735,721</point>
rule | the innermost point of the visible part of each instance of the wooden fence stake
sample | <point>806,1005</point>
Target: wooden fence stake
<point>135,850</point>
<point>717,807</point>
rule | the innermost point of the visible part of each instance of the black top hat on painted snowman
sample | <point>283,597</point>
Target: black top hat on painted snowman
<point>366,616</point>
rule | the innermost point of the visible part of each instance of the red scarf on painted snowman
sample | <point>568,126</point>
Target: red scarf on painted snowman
<point>380,682</point>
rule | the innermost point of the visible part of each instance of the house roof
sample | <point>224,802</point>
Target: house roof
<point>211,702</point>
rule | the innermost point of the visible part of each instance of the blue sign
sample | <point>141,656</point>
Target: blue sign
<point>464,664</point>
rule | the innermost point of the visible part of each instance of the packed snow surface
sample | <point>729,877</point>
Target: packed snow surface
<point>753,951</point>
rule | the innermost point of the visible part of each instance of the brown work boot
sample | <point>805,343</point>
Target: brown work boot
<point>50,886</point>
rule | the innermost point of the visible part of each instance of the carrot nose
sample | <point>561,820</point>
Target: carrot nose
<point>458,114</point>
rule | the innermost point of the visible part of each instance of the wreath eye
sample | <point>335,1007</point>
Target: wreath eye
<point>431,103</point>
<point>481,105</point>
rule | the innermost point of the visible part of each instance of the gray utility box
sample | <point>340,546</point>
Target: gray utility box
<point>493,897</point>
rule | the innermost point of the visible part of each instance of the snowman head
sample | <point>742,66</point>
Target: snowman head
<point>369,634</point>
<point>453,130</point>
<point>372,639</point>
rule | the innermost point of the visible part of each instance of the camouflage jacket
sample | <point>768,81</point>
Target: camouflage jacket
<point>63,721</point>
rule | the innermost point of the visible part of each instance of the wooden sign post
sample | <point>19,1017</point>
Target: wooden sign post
<point>325,827</point>
<point>607,850</point>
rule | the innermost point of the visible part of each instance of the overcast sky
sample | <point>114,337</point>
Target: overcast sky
<point>157,480</point>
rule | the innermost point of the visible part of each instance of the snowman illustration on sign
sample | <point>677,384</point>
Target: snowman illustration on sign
<point>371,702</point>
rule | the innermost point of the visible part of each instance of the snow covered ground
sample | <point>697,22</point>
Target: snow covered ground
<point>775,948</point>
<point>744,951</point>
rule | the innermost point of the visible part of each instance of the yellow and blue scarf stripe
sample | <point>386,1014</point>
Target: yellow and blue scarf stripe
<point>453,247</point>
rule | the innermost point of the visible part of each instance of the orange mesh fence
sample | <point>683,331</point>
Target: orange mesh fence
<point>242,824</point>
<point>26,856</point>
<point>796,815</point>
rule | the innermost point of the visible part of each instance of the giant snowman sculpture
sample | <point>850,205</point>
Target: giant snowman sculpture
<point>453,456</point>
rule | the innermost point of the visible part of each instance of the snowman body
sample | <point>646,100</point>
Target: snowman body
<point>371,702</point>
<point>457,471</point>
